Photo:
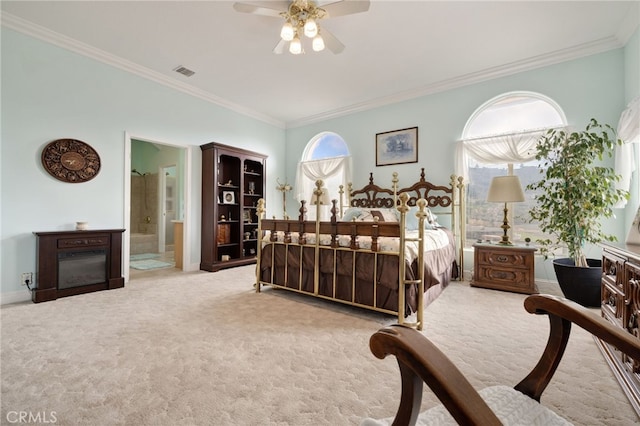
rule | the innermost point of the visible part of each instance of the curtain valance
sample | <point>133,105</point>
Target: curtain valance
<point>498,149</point>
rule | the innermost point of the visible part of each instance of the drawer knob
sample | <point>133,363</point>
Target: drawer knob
<point>502,258</point>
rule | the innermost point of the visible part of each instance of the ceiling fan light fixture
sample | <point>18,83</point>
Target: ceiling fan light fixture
<point>287,33</point>
<point>310,28</point>
<point>318,43</point>
<point>295,47</point>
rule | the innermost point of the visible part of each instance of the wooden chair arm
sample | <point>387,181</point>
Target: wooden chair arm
<point>562,313</point>
<point>420,360</point>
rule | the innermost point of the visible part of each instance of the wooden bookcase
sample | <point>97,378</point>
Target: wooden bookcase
<point>233,180</point>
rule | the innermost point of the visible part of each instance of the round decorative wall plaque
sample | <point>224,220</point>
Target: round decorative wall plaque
<point>70,160</point>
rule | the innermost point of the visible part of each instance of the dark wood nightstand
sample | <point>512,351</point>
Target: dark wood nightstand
<point>504,267</point>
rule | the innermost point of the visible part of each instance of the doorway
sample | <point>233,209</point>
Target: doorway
<point>154,202</point>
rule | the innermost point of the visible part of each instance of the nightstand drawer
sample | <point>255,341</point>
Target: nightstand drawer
<point>505,258</point>
<point>501,277</point>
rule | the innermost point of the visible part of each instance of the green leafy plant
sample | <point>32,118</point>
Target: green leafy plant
<point>575,193</point>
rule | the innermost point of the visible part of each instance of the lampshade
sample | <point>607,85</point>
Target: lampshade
<point>505,189</point>
<point>310,28</point>
<point>318,43</point>
<point>295,47</point>
<point>287,32</point>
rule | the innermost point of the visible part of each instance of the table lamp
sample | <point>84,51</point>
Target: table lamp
<point>505,189</point>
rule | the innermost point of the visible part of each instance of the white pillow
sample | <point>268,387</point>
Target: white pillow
<point>351,213</point>
<point>411,221</point>
<point>383,215</point>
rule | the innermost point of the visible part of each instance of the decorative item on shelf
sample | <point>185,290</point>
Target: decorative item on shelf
<point>505,189</point>
<point>246,216</point>
<point>82,226</point>
<point>224,233</point>
<point>252,187</point>
<point>225,257</point>
<point>222,218</point>
<point>247,235</point>
<point>284,188</point>
<point>228,197</point>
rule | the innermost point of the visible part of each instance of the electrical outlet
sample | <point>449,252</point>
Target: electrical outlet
<point>26,278</point>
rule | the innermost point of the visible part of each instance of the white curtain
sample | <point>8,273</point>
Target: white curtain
<point>499,149</point>
<point>629,133</point>
<point>333,171</point>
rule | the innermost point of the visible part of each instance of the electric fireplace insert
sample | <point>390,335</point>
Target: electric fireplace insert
<point>76,262</point>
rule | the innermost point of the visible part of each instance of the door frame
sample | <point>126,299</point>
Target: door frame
<point>187,187</point>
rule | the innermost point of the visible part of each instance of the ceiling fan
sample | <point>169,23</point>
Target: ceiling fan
<point>301,19</point>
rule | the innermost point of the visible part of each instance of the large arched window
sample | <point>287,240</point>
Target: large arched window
<point>500,139</point>
<point>325,157</point>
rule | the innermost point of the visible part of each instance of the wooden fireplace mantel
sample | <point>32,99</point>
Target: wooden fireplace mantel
<point>49,245</point>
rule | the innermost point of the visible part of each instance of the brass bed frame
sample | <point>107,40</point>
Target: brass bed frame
<point>443,200</point>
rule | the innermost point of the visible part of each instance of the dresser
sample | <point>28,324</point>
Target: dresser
<point>621,307</point>
<point>504,267</point>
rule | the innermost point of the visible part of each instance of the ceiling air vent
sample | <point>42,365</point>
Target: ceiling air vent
<point>184,71</point>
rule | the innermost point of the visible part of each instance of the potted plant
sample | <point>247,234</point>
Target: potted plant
<point>574,194</point>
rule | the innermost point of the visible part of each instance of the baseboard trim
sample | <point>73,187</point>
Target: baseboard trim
<point>15,297</point>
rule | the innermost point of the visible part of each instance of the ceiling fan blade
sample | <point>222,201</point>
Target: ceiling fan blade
<point>266,8</point>
<point>345,7</point>
<point>331,42</point>
<point>279,49</point>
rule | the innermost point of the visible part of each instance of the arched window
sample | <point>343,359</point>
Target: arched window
<point>500,139</point>
<point>325,157</point>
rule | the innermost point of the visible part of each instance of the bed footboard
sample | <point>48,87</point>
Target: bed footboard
<point>330,260</point>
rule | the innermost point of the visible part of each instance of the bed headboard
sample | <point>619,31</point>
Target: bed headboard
<point>435,195</point>
<point>374,196</point>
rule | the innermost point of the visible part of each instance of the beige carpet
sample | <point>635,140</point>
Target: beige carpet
<point>204,349</point>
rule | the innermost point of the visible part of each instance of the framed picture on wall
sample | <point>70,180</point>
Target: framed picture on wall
<point>228,197</point>
<point>397,147</point>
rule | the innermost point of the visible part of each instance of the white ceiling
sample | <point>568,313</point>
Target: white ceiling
<point>397,50</point>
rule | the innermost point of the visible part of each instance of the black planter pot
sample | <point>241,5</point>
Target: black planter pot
<point>582,285</point>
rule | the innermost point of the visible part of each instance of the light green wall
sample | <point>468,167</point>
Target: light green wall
<point>50,93</point>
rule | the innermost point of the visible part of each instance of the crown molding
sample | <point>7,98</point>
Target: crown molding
<point>29,28</point>
<point>563,55</point>
<point>598,46</point>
